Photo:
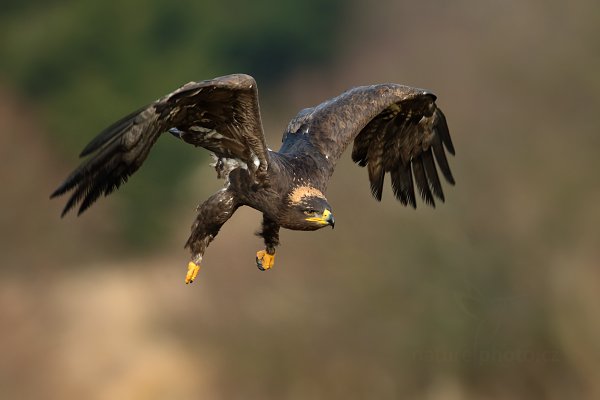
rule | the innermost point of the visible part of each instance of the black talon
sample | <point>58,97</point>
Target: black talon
<point>259,264</point>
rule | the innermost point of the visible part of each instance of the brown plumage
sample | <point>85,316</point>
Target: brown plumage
<point>396,129</point>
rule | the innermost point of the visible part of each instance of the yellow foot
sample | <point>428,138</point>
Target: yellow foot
<point>264,261</point>
<point>192,272</point>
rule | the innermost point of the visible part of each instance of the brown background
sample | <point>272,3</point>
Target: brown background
<point>493,295</point>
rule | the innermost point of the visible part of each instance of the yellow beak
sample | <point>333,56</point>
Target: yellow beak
<point>325,219</point>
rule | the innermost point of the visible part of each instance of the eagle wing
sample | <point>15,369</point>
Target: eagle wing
<point>221,115</point>
<point>396,129</point>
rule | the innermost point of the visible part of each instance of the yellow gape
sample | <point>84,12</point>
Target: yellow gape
<point>325,219</point>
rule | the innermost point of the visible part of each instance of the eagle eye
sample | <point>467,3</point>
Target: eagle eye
<point>310,212</point>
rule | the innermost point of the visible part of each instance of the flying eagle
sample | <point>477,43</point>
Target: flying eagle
<point>395,128</point>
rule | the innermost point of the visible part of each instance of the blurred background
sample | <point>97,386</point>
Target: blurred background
<point>493,295</point>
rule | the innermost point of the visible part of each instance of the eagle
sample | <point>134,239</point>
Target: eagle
<point>396,129</point>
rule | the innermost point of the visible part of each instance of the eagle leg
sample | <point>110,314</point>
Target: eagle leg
<point>265,259</point>
<point>212,214</point>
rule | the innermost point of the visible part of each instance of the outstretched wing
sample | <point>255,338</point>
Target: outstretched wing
<point>395,128</point>
<point>221,115</point>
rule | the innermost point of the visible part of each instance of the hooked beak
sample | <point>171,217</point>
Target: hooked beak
<point>325,219</point>
<point>328,217</point>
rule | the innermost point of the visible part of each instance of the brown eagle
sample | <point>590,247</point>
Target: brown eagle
<point>395,128</point>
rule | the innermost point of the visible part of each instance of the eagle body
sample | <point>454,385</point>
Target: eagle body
<point>395,129</point>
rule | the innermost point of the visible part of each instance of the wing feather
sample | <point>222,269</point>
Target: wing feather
<point>396,129</point>
<point>443,131</point>
<point>442,161</point>
<point>403,186</point>
<point>221,115</point>
<point>375,160</point>
<point>376,178</point>
<point>421,180</point>
<point>111,132</point>
<point>432,175</point>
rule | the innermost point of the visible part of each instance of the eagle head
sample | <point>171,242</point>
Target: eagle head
<point>307,209</point>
